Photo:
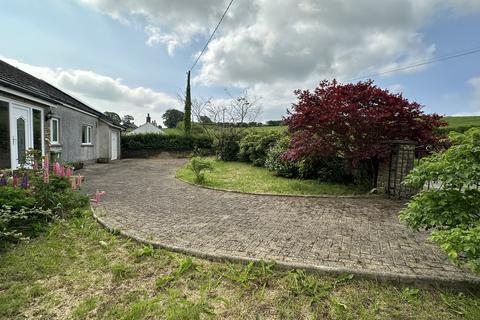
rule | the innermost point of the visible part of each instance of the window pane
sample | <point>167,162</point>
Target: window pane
<point>55,130</point>
<point>84,134</point>
<point>37,130</point>
<point>89,135</point>
<point>21,138</point>
<point>4,136</point>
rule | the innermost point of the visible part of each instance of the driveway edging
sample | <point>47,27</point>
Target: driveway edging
<point>404,279</point>
<point>353,196</point>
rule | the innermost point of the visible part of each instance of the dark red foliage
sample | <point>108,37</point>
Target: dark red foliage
<point>355,121</point>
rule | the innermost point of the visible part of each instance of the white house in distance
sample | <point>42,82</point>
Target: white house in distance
<point>147,127</point>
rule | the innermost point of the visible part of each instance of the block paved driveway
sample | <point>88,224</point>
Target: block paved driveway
<point>144,200</point>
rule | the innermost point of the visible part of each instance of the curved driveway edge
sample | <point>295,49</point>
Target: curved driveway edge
<point>334,235</point>
<point>357,196</point>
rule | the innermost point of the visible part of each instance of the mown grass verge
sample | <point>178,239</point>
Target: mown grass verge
<point>78,270</point>
<point>243,177</point>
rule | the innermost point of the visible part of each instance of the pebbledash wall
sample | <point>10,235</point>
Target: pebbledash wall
<point>70,144</point>
<point>69,147</point>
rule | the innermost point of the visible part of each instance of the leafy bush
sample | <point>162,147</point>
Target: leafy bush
<point>461,240</point>
<point>227,147</point>
<point>19,224</point>
<point>254,146</point>
<point>327,169</point>
<point>447,130</point>
<point>26,212</point>
<point>16,198</point>
<point>275,162</point>
<point>162,142</point>
<point>453,211</point>
<point>355,120</point>
<point>199,166</point>
<point>57,196</point>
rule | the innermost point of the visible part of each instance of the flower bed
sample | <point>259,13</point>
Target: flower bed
<point>35,195</point>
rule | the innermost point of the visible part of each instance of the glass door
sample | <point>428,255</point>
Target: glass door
<point>20,131</point>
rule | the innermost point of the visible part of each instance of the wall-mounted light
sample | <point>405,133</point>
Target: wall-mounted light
<point>48,115</point>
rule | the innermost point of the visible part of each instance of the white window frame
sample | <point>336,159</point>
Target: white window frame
<point>52,141</point>
<point>88,135</point>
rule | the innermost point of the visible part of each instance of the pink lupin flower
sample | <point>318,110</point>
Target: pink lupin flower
<point>79,180</point>
<point>14,181</point>
<point>46,170</point>
<point>62,171</point>
<point>68,172</point>
<point>98,197</point>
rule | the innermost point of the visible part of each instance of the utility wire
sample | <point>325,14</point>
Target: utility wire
<point>419,64</point>
<point>211,36</point>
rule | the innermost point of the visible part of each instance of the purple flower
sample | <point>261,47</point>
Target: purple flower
<point>25,182</point>
<point>3,180</point>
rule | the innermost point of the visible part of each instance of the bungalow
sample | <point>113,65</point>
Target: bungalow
<point>36,115</point>
<point>147,127</point>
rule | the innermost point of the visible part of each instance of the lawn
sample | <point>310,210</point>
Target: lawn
<point>244,177</point>
<point>77,270</point>
<point>454,122</point>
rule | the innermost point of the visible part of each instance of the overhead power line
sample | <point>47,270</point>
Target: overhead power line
<point>419,64</point>
<point>211,36</point>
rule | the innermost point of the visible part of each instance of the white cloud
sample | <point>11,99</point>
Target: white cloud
<point>475,84</point>
<point>275,46</point>
<point>102,92</point>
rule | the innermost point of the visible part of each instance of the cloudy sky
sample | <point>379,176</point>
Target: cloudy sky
<point>130,56</point>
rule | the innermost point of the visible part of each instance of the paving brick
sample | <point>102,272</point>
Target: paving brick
<point>363,234</point>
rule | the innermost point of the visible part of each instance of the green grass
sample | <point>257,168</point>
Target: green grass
<point>77,270</point>
<point>454,122</point>
<point>173,131</point>
<point>244,177</point>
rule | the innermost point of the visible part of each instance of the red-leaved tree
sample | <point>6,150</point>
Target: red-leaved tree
<point>355,121</point>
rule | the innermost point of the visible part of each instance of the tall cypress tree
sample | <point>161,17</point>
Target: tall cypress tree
<point>187,118</point>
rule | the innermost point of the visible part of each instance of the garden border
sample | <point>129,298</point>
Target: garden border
<point>403,279</point>
<point>359,196</point>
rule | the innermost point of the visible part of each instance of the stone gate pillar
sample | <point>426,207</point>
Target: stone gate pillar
<point>393,170</point>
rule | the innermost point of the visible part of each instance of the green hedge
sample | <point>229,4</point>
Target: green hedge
<point>447,130</point>
<point>152,142</point>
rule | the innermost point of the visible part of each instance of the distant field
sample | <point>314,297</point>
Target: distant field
<point>463,121</point>
<point>176,131</point>
<point>172,131</point>
<point>453,122</point>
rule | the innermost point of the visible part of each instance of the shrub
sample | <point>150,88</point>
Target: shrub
<point>16,198</point>
<point>355,121</point>
<point>18,224</point>
<point>57,195</point>
<point>453,210</point>
<point>327,169</point>
<point>254,146</point>
<point>199,166</point>
<point>277,164</point>
<point>26,211</point>
<point>162,142</point>
<point>227,147</point>
<point>447,130</point>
